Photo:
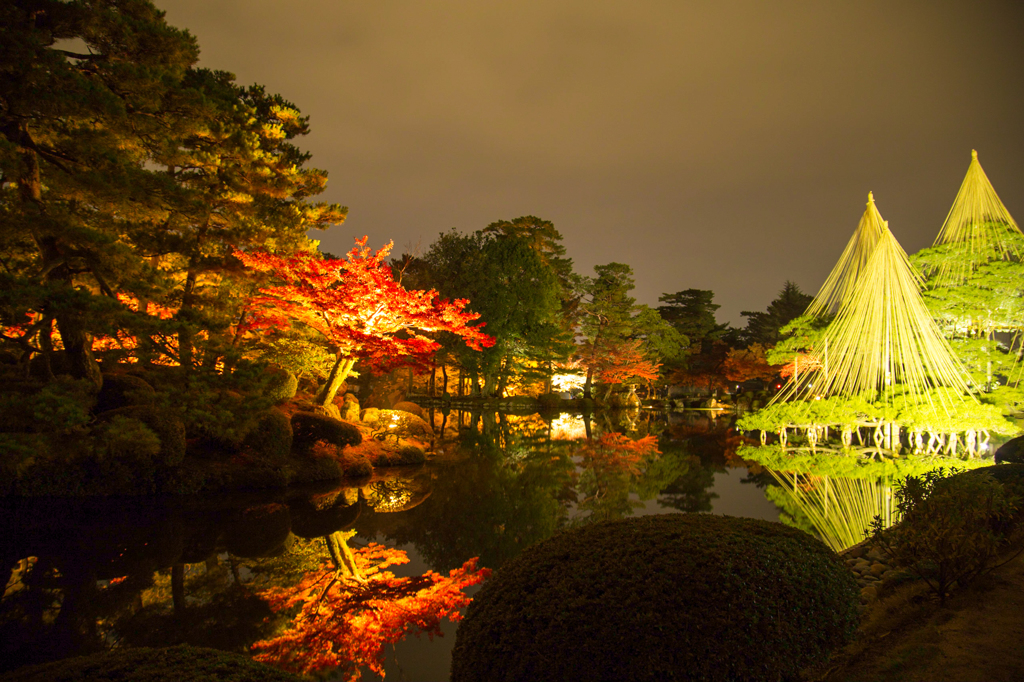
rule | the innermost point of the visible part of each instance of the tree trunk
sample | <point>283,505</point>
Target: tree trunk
<point>608,393</point>
<point>178,589</point>
<point>186,339</point>
<point>490,385</point>
<point>340,371</point>
<point>503,377</point>
<point>341,554</point>
<point>78,347</point>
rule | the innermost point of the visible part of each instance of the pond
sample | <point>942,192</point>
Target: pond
<point>83,576</point>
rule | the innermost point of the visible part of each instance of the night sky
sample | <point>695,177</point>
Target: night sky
<point>712,145</point>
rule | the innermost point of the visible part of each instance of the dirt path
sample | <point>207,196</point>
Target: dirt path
<point>977,637</point>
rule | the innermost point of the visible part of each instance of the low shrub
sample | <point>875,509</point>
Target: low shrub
<point>388,453</point>
<point>411,408</point>
<point>154,665</point>
<point>121,390</point>
<point>60,407</point>
<point>270,440</point>
<point>281,384</point>
<point>354,465</point>
<point>329,462</point>
<point>396,422</point>
<point>161,421</point>
<point>950,527</point>
<point>125,456</point>
<point>673,597</point>
<point>308,428</point>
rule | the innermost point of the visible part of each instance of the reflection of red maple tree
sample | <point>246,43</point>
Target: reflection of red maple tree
<point>345,624</point>
<point>357,305</point>
<point>615,452</point>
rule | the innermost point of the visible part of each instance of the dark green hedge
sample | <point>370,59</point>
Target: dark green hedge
<point>673,597</point>
<point>153,665</point>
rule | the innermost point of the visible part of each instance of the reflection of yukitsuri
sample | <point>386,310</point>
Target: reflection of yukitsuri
<point>839,509</point>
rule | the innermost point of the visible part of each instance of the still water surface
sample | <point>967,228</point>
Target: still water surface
<point>97,575</point>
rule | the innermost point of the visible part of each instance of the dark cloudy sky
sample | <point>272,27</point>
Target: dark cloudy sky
<point>714,145</point>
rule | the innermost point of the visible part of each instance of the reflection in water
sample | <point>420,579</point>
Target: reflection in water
<point>345,623</point>
<point>834,493</point>
<point>568,427</point>
<point>838,510</point>
<point>608,469</point>
<point>230,571</point>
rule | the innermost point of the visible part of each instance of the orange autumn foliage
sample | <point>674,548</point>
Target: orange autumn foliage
<point>801,363</point>
<point>744,364</point>
<point>621,362</point>
<point>358,307</point>
<point>615,452</point>
<point>345,624</point>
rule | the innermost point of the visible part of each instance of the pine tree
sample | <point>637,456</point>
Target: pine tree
<point>75,127</point>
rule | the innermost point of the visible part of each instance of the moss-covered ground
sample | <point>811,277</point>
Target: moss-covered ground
<point>907,637</point>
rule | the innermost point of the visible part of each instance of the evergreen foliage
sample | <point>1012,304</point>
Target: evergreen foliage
<point>950,529</point>
<point>672,597</point>
<point>765,327</point>
<point>692,313</point>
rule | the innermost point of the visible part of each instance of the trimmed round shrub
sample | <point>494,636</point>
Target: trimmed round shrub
<point>121,390</point>
<point>166,425</point>
<point>404,424</point>
<point>385,456</point>
<point>1011,451</point>
<point>411,408</point>
<point>270,440</point>
<point>673,597</point>
<point>154,665</point>
<point>125,457</point>
<point>355,465</point>
<point>308,428</point>
<point>281,385</point>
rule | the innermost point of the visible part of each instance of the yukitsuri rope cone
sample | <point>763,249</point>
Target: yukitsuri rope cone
<point>978,224</point>
<point>838,287</point>
<point>883,334</point>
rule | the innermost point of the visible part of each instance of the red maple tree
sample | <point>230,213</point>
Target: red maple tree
<point>358,307</point>
<point>743,364</point>
<point>623,362</point>
<point>345,623</point>
<point>800,364</point>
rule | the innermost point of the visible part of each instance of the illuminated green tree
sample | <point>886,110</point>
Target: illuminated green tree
<point>512,286</point>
